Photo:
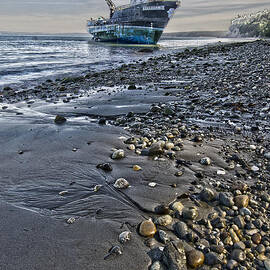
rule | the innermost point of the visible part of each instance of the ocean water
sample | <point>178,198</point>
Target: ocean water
<point>28,59</point>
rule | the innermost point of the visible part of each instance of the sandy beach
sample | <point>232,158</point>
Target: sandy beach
<point>188,136</point>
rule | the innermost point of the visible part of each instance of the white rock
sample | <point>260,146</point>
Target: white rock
<point>221,172</point>
<point>255,168</point>
<point>152,184</point>
<point>118,154</point>
<point>124,237</point>
<point>121,183</point>
<point>71,220</point>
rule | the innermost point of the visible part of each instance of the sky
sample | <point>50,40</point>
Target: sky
<point>69,16</point>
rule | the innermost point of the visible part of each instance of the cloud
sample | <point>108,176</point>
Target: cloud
<point>70,15</point>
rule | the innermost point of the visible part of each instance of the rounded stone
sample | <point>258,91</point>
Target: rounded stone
<point>256,238</point>
<point>207,195</point>
<point>267,264</point>
<point>164,220</point>
<point>121,183</point>
<point>190,213</point>
<point>232,264</point>
<point>181,229</point>
<point>147,228</point>
<point>124,237</point>
<point>260,248</point>
<point>195,258</point>
<point>59,119</point>
<point>205,161</point>
<point>136,168</point>
<point>118,154</point>
<point>177,206</point>
<point>238,255</point>
<point>241,201</point>
<point>225,199</point>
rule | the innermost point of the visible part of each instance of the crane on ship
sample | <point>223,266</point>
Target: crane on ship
<point>112,7</point>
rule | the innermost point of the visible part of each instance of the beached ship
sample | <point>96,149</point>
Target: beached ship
<point>140,22</point>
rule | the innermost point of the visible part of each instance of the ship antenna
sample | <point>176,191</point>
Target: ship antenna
<point>111,6</point>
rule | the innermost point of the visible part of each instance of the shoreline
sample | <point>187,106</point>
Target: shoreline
<point>196,126</point>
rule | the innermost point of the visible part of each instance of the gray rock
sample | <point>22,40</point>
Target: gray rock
<point>163,236</point>
<point>205,161</point>
<point>239,221</point>
<point>174,256</point>
<point>181,229</point>
<point>155,149</point>
<point>190,213</point>
<point>267,264</point>
<point>245,211</point>
<point>225,199</point>
<point>239,245</point>
<point>232,264</point>
<point>238,255</point>
<point>212,258</point>
<point>59,119</point>
<point>207,195</point>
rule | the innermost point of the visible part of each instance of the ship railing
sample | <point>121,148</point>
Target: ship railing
<point>149,1</point>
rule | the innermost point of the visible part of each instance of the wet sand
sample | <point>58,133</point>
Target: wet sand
<point>49,172</point>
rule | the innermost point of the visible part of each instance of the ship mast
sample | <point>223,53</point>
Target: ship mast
<point>111,6</point>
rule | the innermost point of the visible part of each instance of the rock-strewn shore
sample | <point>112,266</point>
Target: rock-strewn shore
<point>209,118</point>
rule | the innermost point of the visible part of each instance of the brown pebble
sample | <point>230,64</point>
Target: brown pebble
<point>195,258</point>
<point>256,238</point>
<point>241,201</point>
<point>147,228</point>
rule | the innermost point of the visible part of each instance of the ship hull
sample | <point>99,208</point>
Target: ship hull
<point>139,24</point>
<point>126,34</point>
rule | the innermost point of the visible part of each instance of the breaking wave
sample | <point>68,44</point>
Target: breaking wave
<point>252,25</point>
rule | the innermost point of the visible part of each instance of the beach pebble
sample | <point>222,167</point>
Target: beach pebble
<point>97,188</point>
<point>181,229</point>
<point>152,184</point>
<point>221,172</point>
<point>245,211</point>
<point>124,237</point>
<point>225,199</point>
<point>241,201</point>
<point>205,161</point>
<point>207,195</point>
<point>267,264</point>
<point>212,258</point>
<point>147,228</point>
<point>136,168</point>
<point>118,154</point>
<point>177,206</point>
<point>256,238</point>
<point>164,220</point>
<point>155,149</point>
<point>121,183</point>
<point>238,255</point>
<point>254,168</point>
<point>71,220</point>
<point>115,250</point>
<point>232,264</point>
<point>157,266</point>
<point>190,213</point>
<point>163,236</point>
<point>195,258</point>
<point>105,167</point>
<point>131,147</point>
<point>59,119</point>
